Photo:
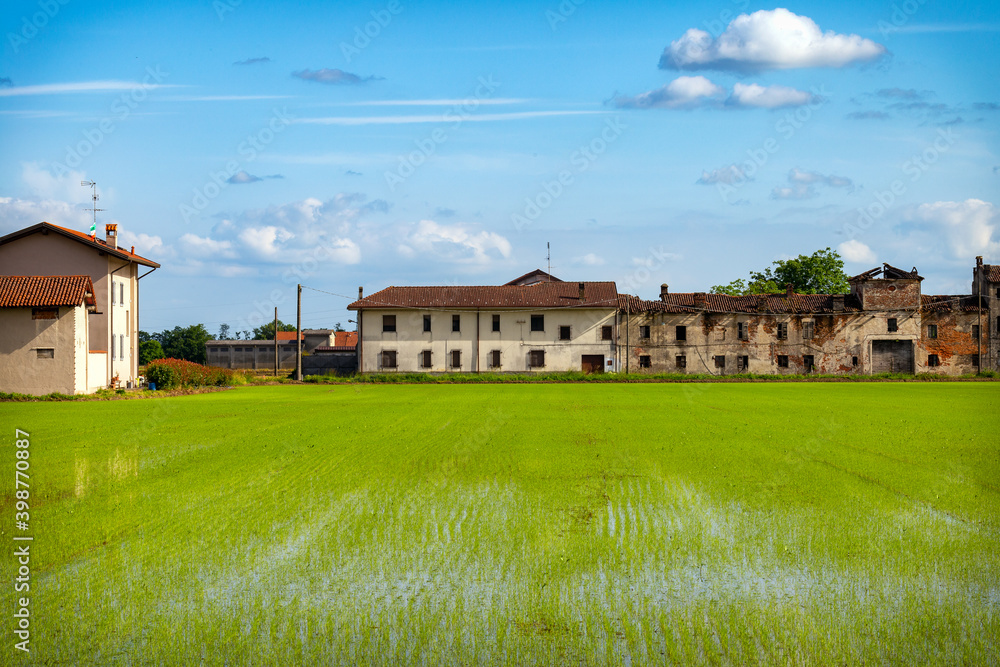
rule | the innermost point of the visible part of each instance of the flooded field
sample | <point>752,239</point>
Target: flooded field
<point>551,524</point>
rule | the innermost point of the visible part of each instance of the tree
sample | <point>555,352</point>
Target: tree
<point>266,332</point>
<point>185,342</point>
<point>819,273</point>
<point>337,327</point>
<point>149,350</point>
<point>144,336</point>
<point>224,332</point>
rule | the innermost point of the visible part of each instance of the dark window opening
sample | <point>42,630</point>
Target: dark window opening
<point>933,360</point>
<point>645,361</point>
<point>46,353</point>
<point>536,359</point>
<point>809,361</point>
<point>456,358</point>
<point>563,333</point>
<point>807,330</point>
<point>644,331</point>
<point>44,313</point>
<point>975,360</point>
<point>427,323</point>
<point>388,323</point>
<point>388,358</point>
<point>975,331</point>
<point>893,325</point>
<point>932,331</point>
<point>606,333</point>
<point>681,361</point>
<point>782,361</point>
<point>854,361</point>
<point>741,330</point>
<point>720,361</point>
<point>496,323</point>
<point>456,322</point>
<point>682,333</point>
<point>495,359</point>
<point>742,363</point>
<point>782,330</point>
<point>425,359</point>
<point>538,323</point>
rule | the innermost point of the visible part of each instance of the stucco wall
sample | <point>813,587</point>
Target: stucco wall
<point>21,370</point>
<point>515,340</point>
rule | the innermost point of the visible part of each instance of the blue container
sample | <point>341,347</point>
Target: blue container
<point>152,386</point>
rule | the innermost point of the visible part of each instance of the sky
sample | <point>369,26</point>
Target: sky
<point>249,147</point>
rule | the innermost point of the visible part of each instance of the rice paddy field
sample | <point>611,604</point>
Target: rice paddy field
<point>623,524</point>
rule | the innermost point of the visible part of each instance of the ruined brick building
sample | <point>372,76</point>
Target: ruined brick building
<point>885,324</point>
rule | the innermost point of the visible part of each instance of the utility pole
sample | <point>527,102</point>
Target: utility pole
<point>276,342</point>
<point>298,337</point>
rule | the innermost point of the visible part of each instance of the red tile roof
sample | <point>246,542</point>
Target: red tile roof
<point>993,273</point>
<point>45,291</point>
<point>287,335</point>
<point>345,339</point>
<point>724,303</point>
<point>81,237</point>
<point>947,302</point>
<point>538,295</point>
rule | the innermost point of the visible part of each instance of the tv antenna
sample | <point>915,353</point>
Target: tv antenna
<point>93,207</point>
<point>548,258</point>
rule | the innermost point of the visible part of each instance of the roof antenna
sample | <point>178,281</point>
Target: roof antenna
<point>548,258</point>
<point>94,197</point>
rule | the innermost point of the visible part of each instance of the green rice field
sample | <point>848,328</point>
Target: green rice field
<point>628,524</point>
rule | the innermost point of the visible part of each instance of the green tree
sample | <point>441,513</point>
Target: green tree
<point>266,332</point>
<point>185,342</point>
<point>144,336</point>
<point>149,350</point>
<point>224,332</point>
<point>819,273</point>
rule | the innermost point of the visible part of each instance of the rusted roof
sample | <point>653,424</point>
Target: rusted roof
<point>538,295</point>
<point>965,303</point>
<point>681,302</point>
<point>100,244</point>
<point>46,291</point>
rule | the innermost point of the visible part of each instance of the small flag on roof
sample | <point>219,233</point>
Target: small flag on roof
<point>93,230</point>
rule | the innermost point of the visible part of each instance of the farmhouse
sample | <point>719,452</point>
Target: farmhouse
<point>108,333</point>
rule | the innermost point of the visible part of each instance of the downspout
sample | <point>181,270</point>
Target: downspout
<point>477,340</point>
<point>111,323</point>
<point>136,374</point>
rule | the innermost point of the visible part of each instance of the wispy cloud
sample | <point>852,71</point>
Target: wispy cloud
<point>241,177</point>
<point>436,118</point>
<point>253,61</point>
<point>728,175</point>
<point>437,102</point>
<point>694,92</point>
<point>80,87</point>
<point>333,77</point>
<point>223,98</point>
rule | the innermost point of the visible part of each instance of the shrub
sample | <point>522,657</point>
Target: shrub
<point>170,373</point>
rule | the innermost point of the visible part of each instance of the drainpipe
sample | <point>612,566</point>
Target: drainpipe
<point>477,340</point>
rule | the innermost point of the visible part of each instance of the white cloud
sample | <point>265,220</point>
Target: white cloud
<point>145,245</point>
<point>438,118</point>
<point>590,259</point>
<point>856,251</point>
<point>797,191</point>
<point>766,40</point>
<point>80,87</point>
<point>685,92</point>
<point>197,246</point>
<point>768,97</point>
<point>728,175</point>
<point>969,227</point>
<point>459,243</point>
<point>47,185</point>
<point>797,175</point>
<point>266,241</point>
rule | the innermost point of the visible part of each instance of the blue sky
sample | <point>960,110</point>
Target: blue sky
<point>249,146</point>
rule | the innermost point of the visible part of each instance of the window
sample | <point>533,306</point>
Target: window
<point>427,323</point>
<point>741,330</point>
<point>494,359</point>
<point>127,327</point>
<point>807,330</point>
<point>388,323</point>
<point>456,358</point>
<point>496,323</point>
<point>975,332</point>
<point>720,361</point>
<point>974,358</point>
<point>933,360</point>
<point>893,325</point>
<point>644,361</point>
<point>456,322</point>
<point>932,331</point>
<point>782,361</point>
<point>644,331</point>
<point>854,361</point>
<point>121,347</point>
<point>45,352</point>
<point>782,330</point>
<point>607,335</point>
<point>809,361</point>
<point>112,292</point>
<point>681,361</point>
<point>425,359</point>
<point>742,363</point>
<point>682,333</point>
<point>388,358</point>
<point>44,313</point>
<point>536,359</point>
<point>121,293</point>
<point>538,323</point>
<point>112,346</point>
<point>563,333</point>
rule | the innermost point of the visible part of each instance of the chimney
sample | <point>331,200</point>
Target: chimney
<point>789,290</point>
<point>979,261</point>
<point>582,287</point>
<point>838,303</point>
<point>111,235</point>
<point>699,299</point>
<point>132,251</point>
<point>664,291</point>
<point>361,292</point>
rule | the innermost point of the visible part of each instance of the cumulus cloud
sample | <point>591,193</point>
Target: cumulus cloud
<point>728,175</point>
<point>460,243</point>
<point>686,92</point>
<point>333,76</point>
<point>856,251</point>
<point>970,227</point>
<point>768,97</point>
<point>147,245</point>
<point>768,40</point>
<point>206,248</point>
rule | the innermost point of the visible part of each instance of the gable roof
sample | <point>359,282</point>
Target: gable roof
<point>537,295</point>
<point>345,339</point>
<point>993,274</point>
<point>46,291</point>
<point>532,277</point>
<point>965,303</point>
<point>100,244</point>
